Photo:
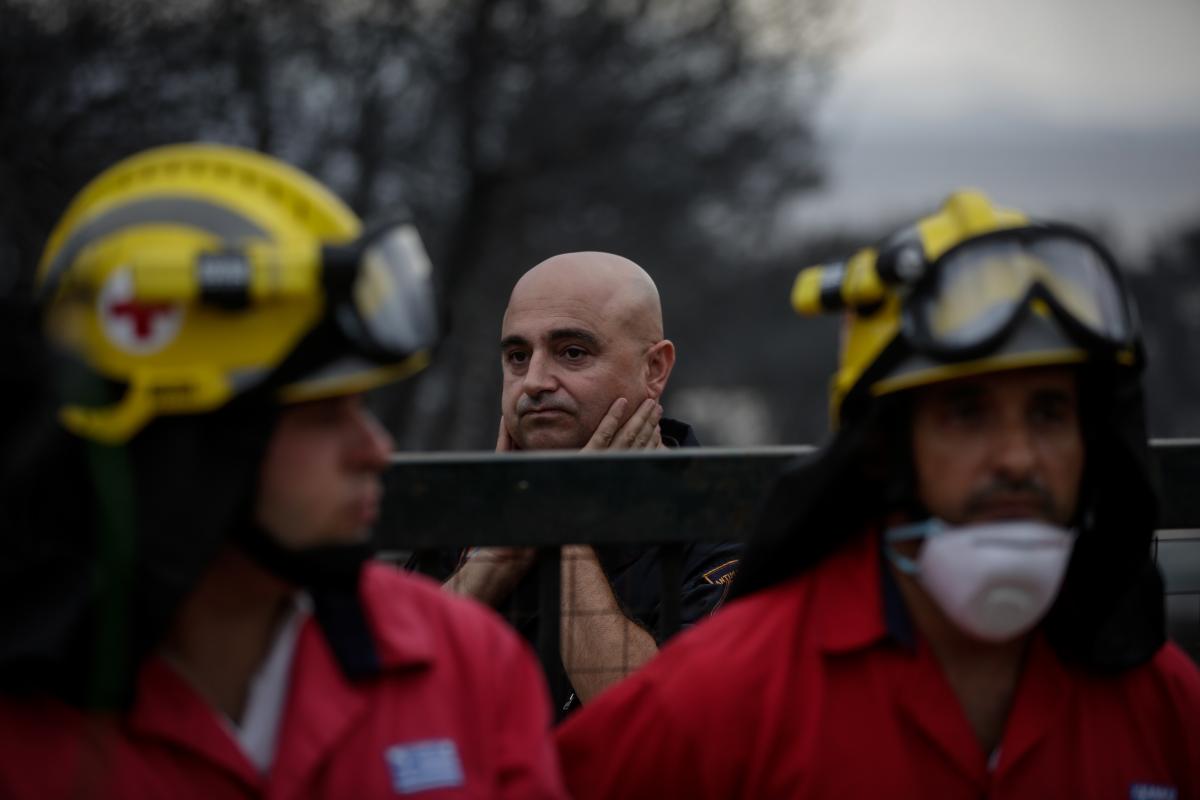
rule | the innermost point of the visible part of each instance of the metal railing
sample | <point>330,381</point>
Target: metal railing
<point>669,498</point>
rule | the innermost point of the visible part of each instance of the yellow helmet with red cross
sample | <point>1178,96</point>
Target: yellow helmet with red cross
<point>188,275</point>
<point>972,288</point>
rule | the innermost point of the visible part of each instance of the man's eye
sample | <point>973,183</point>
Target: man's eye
<point>1050,413</point>
<point>516,357</point>
<point>330,411</point>
<point>574,353</point>
<point>962,410</point>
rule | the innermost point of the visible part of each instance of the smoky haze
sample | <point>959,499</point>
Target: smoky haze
<point>722,144</point>
<point>1088,110</point>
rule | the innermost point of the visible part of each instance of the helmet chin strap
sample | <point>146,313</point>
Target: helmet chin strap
<point>330,574</point>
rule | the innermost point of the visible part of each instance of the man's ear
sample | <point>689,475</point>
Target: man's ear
<point>660,359</point>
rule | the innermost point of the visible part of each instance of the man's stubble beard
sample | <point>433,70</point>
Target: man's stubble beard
<point>552,438</point>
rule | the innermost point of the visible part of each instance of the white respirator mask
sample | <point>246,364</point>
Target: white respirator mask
<point>994,580</point>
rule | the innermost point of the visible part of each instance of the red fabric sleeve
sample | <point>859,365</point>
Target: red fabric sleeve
<point>629,744</point>
<point>1182,680</point>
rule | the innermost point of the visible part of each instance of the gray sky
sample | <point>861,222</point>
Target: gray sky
<point>1088,109</point>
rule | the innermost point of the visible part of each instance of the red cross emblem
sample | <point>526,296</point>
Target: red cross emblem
<point>140,314</point>
<point>134,325</point>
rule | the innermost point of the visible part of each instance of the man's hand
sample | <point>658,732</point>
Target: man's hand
<point>640,431</point>
<point>504,440</point>
<point>598,643</point>
<point>489,573</point>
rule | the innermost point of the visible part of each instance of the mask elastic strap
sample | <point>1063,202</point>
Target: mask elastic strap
<point>907,533</point>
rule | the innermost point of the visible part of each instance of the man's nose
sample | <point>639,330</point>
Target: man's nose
<point>371,444</point>
<point>539,376</point>
<point>1016,450</point>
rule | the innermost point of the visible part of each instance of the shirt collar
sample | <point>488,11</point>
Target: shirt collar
<point>858,599</point>
<point>402,632</point>
<point>677,434</point>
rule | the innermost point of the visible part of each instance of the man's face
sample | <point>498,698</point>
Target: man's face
<point>565,362</point>
<point>319,481</point>
<point>1002,446</point>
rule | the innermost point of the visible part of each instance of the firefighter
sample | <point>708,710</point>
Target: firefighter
<point>197,615</point>
<point>956,598</point>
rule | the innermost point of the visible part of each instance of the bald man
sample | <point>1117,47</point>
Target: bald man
<point>583,332</point>
<point>585,365</point>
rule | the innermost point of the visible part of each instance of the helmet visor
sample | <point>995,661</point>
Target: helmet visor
<point>389,310</point>
<point>976,293</point>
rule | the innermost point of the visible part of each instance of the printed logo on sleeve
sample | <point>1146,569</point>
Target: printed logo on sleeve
<point>1152,791</point>
<point>723,574</point>
<point>421,766</point>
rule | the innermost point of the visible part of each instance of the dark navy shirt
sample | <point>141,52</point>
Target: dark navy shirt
<point>635,573</point>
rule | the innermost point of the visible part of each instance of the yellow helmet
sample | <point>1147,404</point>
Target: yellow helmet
<point>970,289</point>
<point>191,274</point>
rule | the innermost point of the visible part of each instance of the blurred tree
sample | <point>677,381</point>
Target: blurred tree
<point>667,130</point>
<point>80,86</point>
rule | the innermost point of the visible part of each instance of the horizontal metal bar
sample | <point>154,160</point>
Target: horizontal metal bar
<point>1178,464</point>
<point>693,494</point>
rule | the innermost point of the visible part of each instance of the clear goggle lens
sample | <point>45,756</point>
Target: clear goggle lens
<point>978,289</point>
<point>391,300</point>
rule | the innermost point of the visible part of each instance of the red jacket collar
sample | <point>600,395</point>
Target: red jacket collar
<point>849,597</point>
<point>403,636</point>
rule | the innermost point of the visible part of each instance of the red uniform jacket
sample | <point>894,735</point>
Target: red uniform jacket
<point>459,710</point>
<point>800,691</point>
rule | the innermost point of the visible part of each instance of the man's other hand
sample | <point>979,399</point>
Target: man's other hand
<point>504,440</point>
<point>639,432</point>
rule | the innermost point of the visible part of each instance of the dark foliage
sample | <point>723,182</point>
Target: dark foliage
<point>666,130</point>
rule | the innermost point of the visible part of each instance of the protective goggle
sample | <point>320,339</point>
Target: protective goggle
<point>364,311</point>
<point>381,292</point>
<point>380,316</point>
<point>377,290</point>
<point>970,299</point>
